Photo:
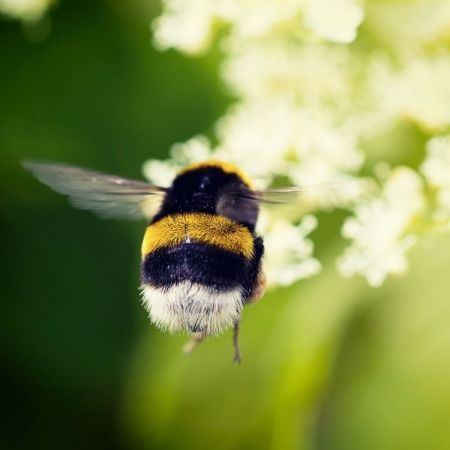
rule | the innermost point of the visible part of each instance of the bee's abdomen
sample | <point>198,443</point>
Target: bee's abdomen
<point>194,287</point>
<point>204,264</point>
<point>195,272</point>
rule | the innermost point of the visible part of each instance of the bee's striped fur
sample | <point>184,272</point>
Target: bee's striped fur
<point>199,268</point>
<point>211,229</point>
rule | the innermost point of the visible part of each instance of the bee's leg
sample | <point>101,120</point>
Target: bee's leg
<point>237,351</point>
<point>193,342</point>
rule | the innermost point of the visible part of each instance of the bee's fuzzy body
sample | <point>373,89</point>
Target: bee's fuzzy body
<point>199,268</point>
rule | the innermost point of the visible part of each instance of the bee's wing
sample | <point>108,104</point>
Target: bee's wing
<point>280,195</point>
<point>243,205</point>
<point>239,204</point>
<point>108,195</point>
<point>292,194</point>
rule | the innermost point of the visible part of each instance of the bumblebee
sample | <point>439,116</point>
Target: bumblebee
<point>200,255</point>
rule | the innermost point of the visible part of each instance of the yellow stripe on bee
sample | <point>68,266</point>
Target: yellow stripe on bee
<point>226,167</point>
<point>210,229</point>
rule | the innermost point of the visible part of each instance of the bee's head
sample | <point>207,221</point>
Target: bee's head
<point>212,188</point>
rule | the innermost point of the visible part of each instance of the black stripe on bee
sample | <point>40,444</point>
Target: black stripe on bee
<point>196,262</point>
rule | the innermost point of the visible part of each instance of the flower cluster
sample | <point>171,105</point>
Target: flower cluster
<point>436,169</point>
<point>379,228</point>
<point>290,258</point>
<point>189,25</point>
<point>316,80</point>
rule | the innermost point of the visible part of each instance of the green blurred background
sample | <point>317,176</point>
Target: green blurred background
<point>328,363</point>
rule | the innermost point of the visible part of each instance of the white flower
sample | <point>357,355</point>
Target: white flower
<point>436,169</point>
<point>193,150</point>
<point>24,9</point>
<point>188,25</point>
<point>288,253</point>
<point>162,173</point>
<point>185,25</point>
<point>379,229</point>
<point>335,20</point>
<point>326,156</point>
<point>256,18</point>
<point>420,91</point>
<point>257,136</point>
<point>277,67</point>
<point>270,138</point>
<point>409,27</point>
